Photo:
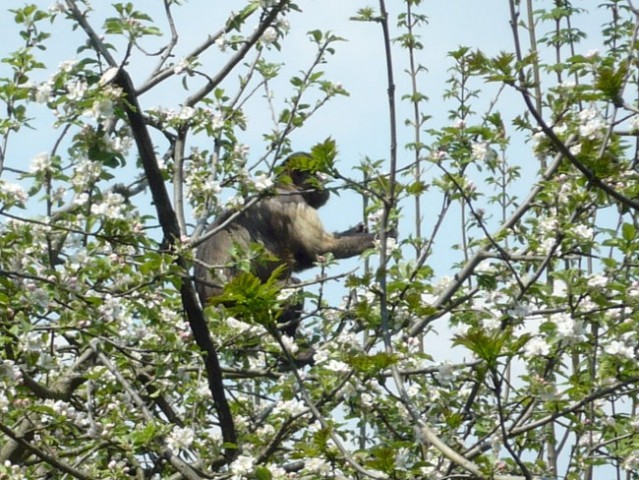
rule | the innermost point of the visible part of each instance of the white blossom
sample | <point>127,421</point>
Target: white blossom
<point>591,122</point>
<point>33,342</point>
<point>287,293</point>
<point>597,281</point>
<point>562,128</point>
<point>568,329</point>
<point>375,217</point>
<point>277,472</point>
<point>391,245</point>
<point>291,407</point>
<point>367,400</point>
<point>40,163</point>
<point>631,463</point>
<point>57,7</point>
<point>234,202</point>
<point>283,24</point>
<point>617,347</point>
<point>269,35</point>
<point>214,434</point>
<point>81,199</point>
<point>212,186</point>
<point>85,173</point>
<point>186,113</point>
<point>491,323</point>
<point>316,465</point>
<point>100,109</point>
<point>336,366</point>
<point>237,325</point>
<point>180,438</point>
<point>537,139</point>
<point>445,372</point>
<point>428,299</point>
<point>575,149</point>
<point>43,92</point>
<point>289,343</point>
<point>120,143</point>
<point>111,206</point>
<point>583,232</point>
<point>262,182</point>
<point>548,226</point>
<point>519,310</point>
<point>535,347</point>
<point>14,192</point>
<point>4,400</point>
<point>77,89</point>
<point>10,371</point>
<point>438,155</point>
<point>243,465</point>
<point>46,361</point>
<point>633,290</point>
<point>67,65</point>
<point>349,339</point>
<point>266,430</point>
<point>320,356</point>
<point>221,42</point>
<point>241,151</point>
<point>181,67</point>
<point>549,244</point>
<point>217,121</point>
<point>479,150</point>
<point>112,309</point>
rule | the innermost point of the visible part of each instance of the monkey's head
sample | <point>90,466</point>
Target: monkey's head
<point>305,178</point>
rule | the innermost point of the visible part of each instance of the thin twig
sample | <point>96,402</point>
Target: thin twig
<point>239,56</point>
<point>476,259</point>
<point>181,466</point>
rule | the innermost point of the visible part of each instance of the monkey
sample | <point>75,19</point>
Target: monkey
<point>287,226</point>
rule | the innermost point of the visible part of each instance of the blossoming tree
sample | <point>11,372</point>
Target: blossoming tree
<point>496,337</point>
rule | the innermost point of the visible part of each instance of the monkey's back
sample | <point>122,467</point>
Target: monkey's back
<point>285,226</point>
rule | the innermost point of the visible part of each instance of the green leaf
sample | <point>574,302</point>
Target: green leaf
<point>628,231</point>
<point>316,35</point>
<point>236,22</point>
<point>145,435</point>
<point>487,346</point>
<point>250,299</point>
<point>324,154</point>
<point>610,81</point>
<point>372,364</point>
<point>263,473</point>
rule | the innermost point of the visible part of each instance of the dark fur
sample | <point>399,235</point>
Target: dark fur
<point>287,226</point>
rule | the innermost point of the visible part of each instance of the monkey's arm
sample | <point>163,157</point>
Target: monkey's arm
<point>348,244</point>
<point>308,239</point>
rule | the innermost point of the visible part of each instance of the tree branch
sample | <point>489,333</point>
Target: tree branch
<point>171,230</point>
<point>42,455</point>
<point>237,58</point>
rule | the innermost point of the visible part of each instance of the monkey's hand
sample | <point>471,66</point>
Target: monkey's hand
<point>356,230</point>
<point>392,232</point>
